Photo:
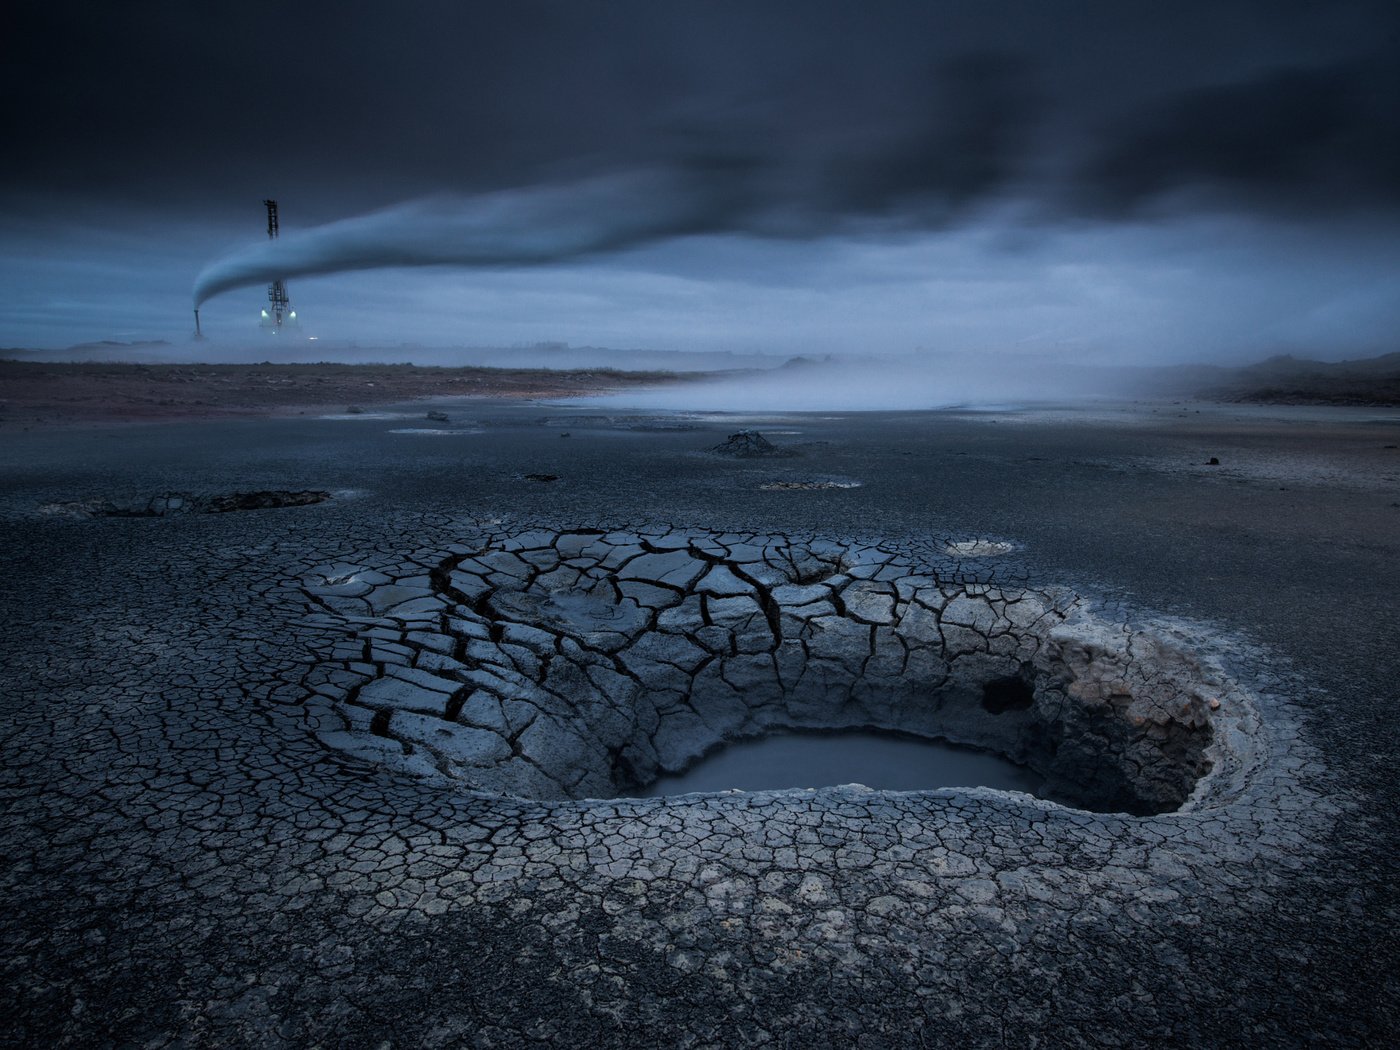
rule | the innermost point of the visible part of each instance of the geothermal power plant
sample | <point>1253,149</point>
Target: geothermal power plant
<point>278,311</point>
<point>279,307</point>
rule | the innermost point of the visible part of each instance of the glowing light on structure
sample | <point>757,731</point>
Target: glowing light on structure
<point>281,312</point>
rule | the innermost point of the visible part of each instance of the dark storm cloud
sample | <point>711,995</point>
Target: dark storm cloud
<point>1314,139</point>
<point>977,114</point>
<point>351,105</point>
<point>884,109</point>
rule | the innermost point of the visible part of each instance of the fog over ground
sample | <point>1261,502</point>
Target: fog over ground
<point>1028,189</point>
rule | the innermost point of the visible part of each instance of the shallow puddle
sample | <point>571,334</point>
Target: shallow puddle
<point>813,760</point>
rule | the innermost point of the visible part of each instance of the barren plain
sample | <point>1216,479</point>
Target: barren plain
<point>348,770</point>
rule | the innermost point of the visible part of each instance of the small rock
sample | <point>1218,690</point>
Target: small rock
<point>354,410</point>
<point>438,417</point>
<point>541,477</point>
<point>746,444</point>
<point>1214,461</point>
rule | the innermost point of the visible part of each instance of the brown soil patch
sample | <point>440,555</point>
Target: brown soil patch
<point>45,394</point>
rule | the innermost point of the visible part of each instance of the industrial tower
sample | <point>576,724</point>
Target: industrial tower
<point>280,307</point>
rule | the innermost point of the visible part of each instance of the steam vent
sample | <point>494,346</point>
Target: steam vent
<point>583,664</point>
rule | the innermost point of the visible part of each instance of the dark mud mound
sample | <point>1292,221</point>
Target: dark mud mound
<point>167,504</point>
<point>749,444</point>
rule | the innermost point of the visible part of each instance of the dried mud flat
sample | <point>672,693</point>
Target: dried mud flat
<point>336,773</point>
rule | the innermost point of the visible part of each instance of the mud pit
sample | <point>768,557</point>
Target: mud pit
<point>586,664</point>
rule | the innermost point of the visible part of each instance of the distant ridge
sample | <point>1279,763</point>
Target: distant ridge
<point>1299,381</point>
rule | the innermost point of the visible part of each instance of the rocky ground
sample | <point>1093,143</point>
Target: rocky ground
<point>232,815</point>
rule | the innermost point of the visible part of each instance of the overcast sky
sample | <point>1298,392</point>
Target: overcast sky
<point>1098,181</point>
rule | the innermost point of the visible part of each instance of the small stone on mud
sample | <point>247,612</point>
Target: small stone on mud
<point>438,417</point>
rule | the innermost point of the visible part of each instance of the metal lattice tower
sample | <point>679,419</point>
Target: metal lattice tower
<point>279,305</point>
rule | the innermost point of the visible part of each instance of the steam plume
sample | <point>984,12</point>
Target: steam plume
<point>520,227</point>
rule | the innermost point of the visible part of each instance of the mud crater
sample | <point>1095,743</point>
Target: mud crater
<point>586,664</point>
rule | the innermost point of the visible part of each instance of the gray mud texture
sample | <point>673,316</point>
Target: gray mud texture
<point>351,772</point>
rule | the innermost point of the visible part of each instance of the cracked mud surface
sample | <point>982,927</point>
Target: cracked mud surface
<point>203,850</point>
